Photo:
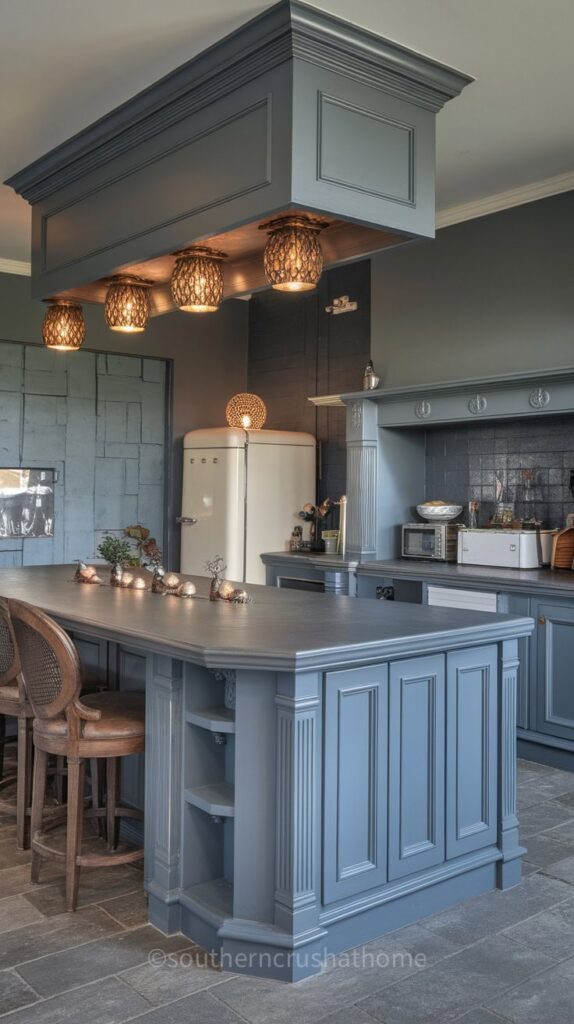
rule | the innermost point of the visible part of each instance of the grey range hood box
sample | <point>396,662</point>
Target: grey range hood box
<point>294,110</point>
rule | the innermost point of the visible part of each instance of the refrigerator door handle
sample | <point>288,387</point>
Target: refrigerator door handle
<point>186,520</point>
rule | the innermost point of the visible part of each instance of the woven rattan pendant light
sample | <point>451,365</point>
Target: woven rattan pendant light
<point>127,306</point>
<point>63,328</point>
<point>197,280</point>
<point>293,259</point>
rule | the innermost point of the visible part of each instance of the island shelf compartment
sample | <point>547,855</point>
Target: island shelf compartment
<point>207,863</point>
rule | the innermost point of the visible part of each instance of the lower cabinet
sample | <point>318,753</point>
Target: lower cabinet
<point>355,797</point>
<point>554,663</point>
<point>471,749</point>
<point>416,765</point>
<point>410,767</point>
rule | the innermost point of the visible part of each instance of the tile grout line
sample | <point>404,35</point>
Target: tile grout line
<point>65,949</point>
<point>104,977</point>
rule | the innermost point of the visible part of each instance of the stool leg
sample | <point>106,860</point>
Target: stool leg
<point>23,781</point>
<point>76,778</point>
<point>112,777</point>
<point>96,792</point>
<point>59,780</point>
<point>2,743</point>
<point>38,796</point>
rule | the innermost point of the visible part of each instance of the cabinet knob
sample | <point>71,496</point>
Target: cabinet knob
<point>542,621</point>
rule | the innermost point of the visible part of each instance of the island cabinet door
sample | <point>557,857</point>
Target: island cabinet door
<point>471,745</point>
<point>355,806</point>
<point>416,765</point>
<point>555,661</point>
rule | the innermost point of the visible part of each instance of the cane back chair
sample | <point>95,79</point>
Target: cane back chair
<point>106,725</point>
<point>14,704</point>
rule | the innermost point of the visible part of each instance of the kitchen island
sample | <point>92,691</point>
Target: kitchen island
<point>318,770</point>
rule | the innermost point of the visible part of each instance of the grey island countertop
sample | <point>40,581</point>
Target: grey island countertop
<point>549,581</point>
<point>279,629</point>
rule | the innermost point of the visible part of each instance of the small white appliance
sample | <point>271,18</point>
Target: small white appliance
<point>242,490</point>
<point>505,549</point>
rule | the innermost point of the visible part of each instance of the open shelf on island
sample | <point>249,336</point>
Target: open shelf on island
<point>211,900</point>
<point>217,798</point>
<point>220,719</point>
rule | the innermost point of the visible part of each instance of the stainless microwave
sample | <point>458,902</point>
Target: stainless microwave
<point>436,541</point>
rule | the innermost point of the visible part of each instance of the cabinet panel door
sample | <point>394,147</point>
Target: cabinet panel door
<point>355,807</point>
<point>555,661</point>
<point>93,652</point>
<point>471,744</point>
<point>131,670</point>
<point>416,765</point>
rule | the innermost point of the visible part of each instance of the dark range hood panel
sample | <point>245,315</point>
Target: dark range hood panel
<point>296,110</point>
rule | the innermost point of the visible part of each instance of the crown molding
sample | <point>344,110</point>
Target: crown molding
<point>289,31</point>
<point>505,200</point>
<point>15,267</point>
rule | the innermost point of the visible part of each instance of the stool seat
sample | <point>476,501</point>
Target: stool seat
<point>122,717</point>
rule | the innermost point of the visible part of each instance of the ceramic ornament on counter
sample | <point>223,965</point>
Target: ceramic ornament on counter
<point>171,583</point>
<point>138,584</point>
<point>226,590</point>
<point>187,589</point>
<point>86,574</point>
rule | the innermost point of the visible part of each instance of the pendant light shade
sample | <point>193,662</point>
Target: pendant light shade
<point>247,411</point>
<point>293,259</point>
<point>64,328</point>
<point>197,280</point>
<point>127,304</point>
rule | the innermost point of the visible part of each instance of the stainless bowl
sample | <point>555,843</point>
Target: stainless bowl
<point>438,513</point>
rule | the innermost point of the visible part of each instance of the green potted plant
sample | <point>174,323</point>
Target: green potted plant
<point>117,553</point>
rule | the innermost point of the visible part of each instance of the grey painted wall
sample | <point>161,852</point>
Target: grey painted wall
<point>492,295</point>
<point>297,350</point>
<point>208,361</point>
<point>100,422</point>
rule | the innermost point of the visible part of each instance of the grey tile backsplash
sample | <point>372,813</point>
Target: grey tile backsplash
<point>531,459</point>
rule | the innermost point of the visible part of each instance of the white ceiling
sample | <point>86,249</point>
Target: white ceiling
<point>64,63</point>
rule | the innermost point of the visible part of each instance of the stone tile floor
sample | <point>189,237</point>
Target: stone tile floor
<point>502,957</point>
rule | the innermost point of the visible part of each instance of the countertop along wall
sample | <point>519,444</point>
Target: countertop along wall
<point>488,296</point>
<point>208,360</point>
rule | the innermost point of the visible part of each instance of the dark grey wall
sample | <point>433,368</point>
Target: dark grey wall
<point>297,350</point>
<point>531,459</point>
<point>489,296</point>
<point>208,358</point>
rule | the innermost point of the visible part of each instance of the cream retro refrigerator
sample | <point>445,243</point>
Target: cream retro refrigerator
<point>242,490</point>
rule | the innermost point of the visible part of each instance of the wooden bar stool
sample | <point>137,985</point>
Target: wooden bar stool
<point>109,725</point>
<point>13,703</point>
